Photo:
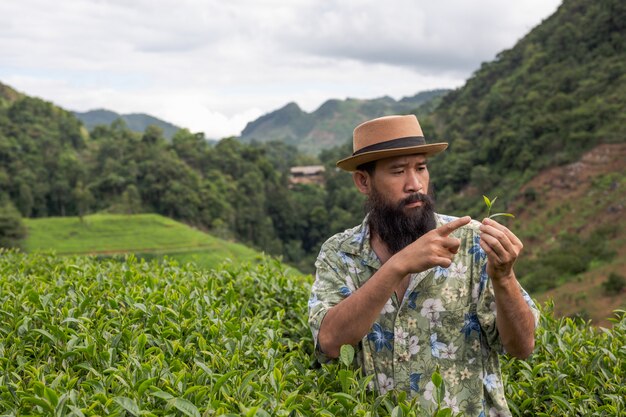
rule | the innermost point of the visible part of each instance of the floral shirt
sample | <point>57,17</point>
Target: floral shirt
<point>447,319</point>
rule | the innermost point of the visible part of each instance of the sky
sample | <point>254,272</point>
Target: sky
<point>212,66</point>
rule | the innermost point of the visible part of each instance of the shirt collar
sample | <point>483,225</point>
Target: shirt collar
<point>358,244</point>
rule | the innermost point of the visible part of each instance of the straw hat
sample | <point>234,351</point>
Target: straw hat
<point>386,137</point>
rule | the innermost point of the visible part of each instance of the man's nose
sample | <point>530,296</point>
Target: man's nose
<point>413,183</point>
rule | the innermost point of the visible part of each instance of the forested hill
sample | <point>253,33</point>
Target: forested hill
<point>137,122</point>
<point>543,128</point>
<point>517,130</point>
<point>560,91</point>
<point>333,122</point>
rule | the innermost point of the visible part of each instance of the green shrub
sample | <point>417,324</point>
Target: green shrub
<point>614,284</point>
<point>86,337</point>
<point>575,370</point>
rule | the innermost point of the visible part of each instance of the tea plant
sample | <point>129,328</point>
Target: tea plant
<point>489,204</point>
<point>576,370</point>
<point>82,337</point>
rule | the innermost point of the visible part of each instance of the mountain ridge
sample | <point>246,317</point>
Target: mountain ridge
<point>331,124</point>
<point>137,122</point>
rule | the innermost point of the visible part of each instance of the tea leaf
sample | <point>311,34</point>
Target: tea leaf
<point>128,404</point>
<point>346,354</point>
<point>185,407</point>
<point>501,214</point>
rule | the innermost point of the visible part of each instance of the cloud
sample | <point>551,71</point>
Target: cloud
<point>213,65</point>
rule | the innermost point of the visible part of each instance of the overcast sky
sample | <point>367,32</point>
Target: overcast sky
<point>214,65</point>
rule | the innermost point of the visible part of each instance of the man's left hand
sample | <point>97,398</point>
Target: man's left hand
<point>502,248</point>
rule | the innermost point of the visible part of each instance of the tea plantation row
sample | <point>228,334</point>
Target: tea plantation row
<point>82,337</point>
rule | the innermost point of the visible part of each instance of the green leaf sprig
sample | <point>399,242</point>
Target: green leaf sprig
<point>489,204</point>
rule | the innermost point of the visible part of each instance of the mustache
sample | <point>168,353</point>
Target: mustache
<point>415,197</point>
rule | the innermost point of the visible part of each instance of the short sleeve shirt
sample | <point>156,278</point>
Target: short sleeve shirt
<point>446,320</point>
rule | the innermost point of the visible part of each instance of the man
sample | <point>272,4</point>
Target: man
<point>416,291</point>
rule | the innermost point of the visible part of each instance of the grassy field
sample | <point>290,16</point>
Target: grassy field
<point>147,235</point>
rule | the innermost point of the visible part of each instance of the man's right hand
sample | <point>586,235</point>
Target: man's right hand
<point>435,248</point>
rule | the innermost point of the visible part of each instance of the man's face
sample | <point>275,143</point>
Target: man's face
<point>398,202</point>
<point>400,177</point>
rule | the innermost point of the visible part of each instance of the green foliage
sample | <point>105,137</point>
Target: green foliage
<point>540,103</point>
<point>489,204</point>
<point>85,337</point>
<point>576,369</point>
<point>12,229</point>
<point>573,255</point>
<point>614,284</point>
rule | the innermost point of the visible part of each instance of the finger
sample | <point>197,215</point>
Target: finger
<point>451,243</point>
<point>512,237</point>
<point>497,239</point>
<point>448,228</point>
<point>443,262</point>
<point>491,254</point>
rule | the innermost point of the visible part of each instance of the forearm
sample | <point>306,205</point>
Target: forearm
<point>514,319</point>
<point>350,320</point>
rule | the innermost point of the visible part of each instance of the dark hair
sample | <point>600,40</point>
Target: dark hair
<point>367,167</point>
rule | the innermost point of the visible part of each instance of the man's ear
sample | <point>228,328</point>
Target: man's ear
<point>362,180</point>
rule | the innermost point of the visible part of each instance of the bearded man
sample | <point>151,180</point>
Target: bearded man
<point>415,291</point>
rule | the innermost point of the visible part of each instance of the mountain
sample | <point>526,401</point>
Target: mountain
<point>8,95</point>
<point>332,123</point>
<point>558,93</point>
<point>543,128</point>
<point>137,122</point>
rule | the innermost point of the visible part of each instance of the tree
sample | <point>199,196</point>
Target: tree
<point>83,198</point>
<point>12,230</point>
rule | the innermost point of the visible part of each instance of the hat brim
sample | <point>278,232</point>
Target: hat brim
<point>352,162</point>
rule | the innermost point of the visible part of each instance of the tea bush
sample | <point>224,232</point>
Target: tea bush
<point>576,370</point>
<point>87,337</point>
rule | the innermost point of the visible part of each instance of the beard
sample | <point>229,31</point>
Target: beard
<point>396,225</point>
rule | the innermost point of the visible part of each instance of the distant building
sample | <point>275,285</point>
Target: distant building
<point>309,174</point>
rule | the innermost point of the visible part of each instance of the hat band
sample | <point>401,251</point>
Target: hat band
<point>392,144</point>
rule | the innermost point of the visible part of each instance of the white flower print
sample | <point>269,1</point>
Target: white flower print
<point>450,375</point>
<point>475,345</point>
<point>447,293</point>
<point>385,383</point>
<point>465,374</point>
<point>400,336</point>
<point>354,270</point>
<point>451,403</point>
<point>491,382</point>
<point>388,308</point>
<point>458,270</point>
<point>411,322</point>
<point>404,356</point>
<point>462,292</point>
<point>414,346</point>
<point>431,309</point>
<point>350,284</point>
<point>449,351</point>
<point>428,392</point>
